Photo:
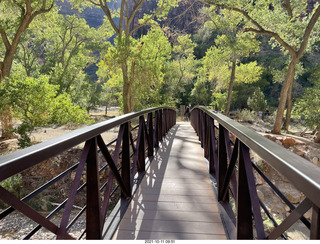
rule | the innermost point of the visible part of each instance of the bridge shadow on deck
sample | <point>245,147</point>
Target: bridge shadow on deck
<point>175,199</point>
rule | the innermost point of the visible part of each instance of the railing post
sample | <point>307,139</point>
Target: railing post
<point>222,162</point>
<point>156,129</point>
<point>125,172</point>
<point>160,125</point>
<point>206,136</point>
<point>200,127</point>
<point>212,149</point>
<point>315,223</point>
<point>150,135</point>
<point>141,145</point>
<point>244,212</point>
<point>93,216</point>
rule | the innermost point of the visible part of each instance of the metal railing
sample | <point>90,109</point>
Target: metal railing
<point>231,167</point>
<point>119,165</point>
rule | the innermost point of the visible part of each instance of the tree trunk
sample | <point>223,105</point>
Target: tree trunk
<point>289,109</point>
<point>7,124</point>
<point>232,78</point>
<point>126,97</point>
<point>284,95</point>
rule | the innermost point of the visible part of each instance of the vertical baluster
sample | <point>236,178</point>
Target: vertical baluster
<point>207,137</point>
<point>156,129</point>
<point>200,127</point>
<point>93,216</point>
<point>222,162</point>
<point>315,223</point>
<point>125,172</point>
<point>244,212</point>
<point>141,145</point>
<point>160,125</point>
<point>213,160</point>
<point>150,135</point>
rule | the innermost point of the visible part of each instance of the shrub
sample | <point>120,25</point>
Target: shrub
<point>35,102</point>
<point>246,115</point>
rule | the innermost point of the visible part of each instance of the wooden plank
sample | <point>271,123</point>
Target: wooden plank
<point>208,217</point>
<point>175,200</point>
<point>143,235</point>
<point>172,226</point>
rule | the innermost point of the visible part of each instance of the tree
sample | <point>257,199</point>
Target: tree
<point>223,63</point>
<point>257,102</point>
<point>36,103</point>
<point>308,106</point>
<point>15,18</point>
<point>123,22</point>
<point>290,26</point>
<point>230,47</point>
<point>150,55</point>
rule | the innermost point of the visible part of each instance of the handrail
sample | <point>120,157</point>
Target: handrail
<point>300,172</point>
<point>17,161</point>
<point>121,165</point>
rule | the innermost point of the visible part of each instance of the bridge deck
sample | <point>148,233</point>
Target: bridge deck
<point>175,199</point>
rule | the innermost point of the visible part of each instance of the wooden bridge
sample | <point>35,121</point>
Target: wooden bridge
<point>165,180</point>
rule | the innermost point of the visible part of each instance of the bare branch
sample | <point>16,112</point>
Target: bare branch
<point>287,6</point>
<point>5,39</point>
<point>260,29</point>
<point>308,31</point>
<point>275,36</point>
<point>94,3</point>
<point>134,11</point>
<point>150,18</point>
<point>107,12</point>
<point>123,2</point>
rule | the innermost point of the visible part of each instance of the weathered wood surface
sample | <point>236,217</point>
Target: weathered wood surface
<point>175,200</point>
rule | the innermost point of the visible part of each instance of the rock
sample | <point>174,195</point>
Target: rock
<point>298,152</point>
<point>288,142</point>
<point>260,195</point>
<point>315,161</point>
<point>278,142</point>
<point>272,138</point>
<point>292,194</point>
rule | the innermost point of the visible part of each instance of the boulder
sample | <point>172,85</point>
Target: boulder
<point>298,152</point>
<point>272,138</point>
<point>288,142</point>
<point>315,161</point>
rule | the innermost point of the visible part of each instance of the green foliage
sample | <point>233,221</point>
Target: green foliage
<point>257,102</point>
<point>308,107</point>
<point>35,102</point>
<point>246,115</point>
<point>220,101</point>
<point>13,185</point>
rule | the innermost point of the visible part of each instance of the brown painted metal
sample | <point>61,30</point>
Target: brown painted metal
<point>112,165</point>
<point>315,223</point>
<point>291,219</point>
<point>10,199</point>
<point>96,210</point>
<point>93,221</point>
<point>303,175</point>
<point>66,215</point>
<point>222,163</point>
<point>230,172</point>
<point>125,162</point>
<point>252,191</point>
<point>244,207</point>
<point>150,135</point>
